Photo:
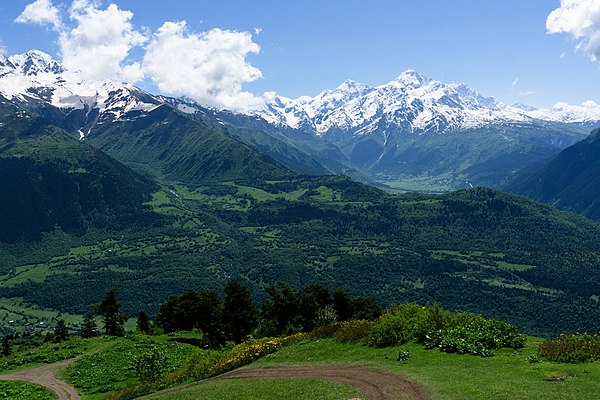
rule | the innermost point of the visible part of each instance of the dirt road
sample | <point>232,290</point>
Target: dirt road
<point>44,376</point>
<point>375,384</point>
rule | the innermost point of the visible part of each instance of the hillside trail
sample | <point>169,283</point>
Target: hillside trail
<point>375,384</point>
<point>46,377</point>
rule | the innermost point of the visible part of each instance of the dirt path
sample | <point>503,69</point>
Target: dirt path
<point>44,376</point>
<point>376,384</point>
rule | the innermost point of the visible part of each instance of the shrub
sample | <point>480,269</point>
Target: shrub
<point>408,322</point>
<point>477,337</point>
<point>247,352</point>
<point>438,328</point>
<point>403,355</point>
<point>150,365</point>
<point>353,331</point>
<point>576,348</point>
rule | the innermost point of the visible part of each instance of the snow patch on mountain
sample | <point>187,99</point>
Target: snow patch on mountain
<point>36,76</point>
<point>411,103</point>
<point>587,112</point>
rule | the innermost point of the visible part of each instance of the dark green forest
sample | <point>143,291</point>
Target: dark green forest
<point>83,222</point>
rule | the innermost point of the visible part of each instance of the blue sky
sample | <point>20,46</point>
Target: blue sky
<point>500,48</point>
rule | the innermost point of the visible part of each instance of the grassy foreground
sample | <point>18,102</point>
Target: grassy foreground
<point>508,375</point>
<point>266,389</point>
<point>15,390</point>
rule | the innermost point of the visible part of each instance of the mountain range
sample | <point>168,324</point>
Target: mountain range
<point>413,133</point>
<point>418,133</point>
<point>105,184</point>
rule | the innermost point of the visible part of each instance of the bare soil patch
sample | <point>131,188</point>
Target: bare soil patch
<point>375,384</point>
<point>45,376</point>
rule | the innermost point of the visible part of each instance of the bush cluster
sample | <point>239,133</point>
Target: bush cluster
<point>408,322</point>
<point>346,331</point>
<point>435,327</point>
<point>252,350</point>
<point>479,337</point>
<point>575,348</point>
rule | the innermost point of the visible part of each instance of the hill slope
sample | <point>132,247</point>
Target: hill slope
<point>49,180</point>
<point>571,180</point>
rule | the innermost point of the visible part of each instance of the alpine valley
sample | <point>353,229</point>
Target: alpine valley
<point>104,184</point>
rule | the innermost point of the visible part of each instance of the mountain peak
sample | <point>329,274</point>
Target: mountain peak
<point>34,62</point>
<point>352,86</point>
<point>410,77</point>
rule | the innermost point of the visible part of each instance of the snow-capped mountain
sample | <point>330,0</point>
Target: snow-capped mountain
<point>411,103</point>
<point>390,133</point>
<point>35,78</point>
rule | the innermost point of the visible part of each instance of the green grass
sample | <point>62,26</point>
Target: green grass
<point>15,390</point>
<point>423,184</point>
<point>481,258</point>
<point>327,195</point>
<point>261,195</point>
<point>16,310</point>
<point>52,352</point>
<point>508,375</point>
<point>266,389</point>
<point>108,370</point>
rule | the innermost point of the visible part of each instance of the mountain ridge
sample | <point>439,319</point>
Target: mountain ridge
<point>431,106</point>
<point>412,133</point>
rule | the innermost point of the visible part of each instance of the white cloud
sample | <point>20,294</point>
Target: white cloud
<point>580,19</point>
<point>526,93</point>
<point>97,41</point>
<point>209,67</point>
<point>99,45</point>
<point>41,12</point>
<point>514,83</point>
<point>563,54</point>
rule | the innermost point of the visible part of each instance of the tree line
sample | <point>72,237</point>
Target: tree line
<point>234,315</point>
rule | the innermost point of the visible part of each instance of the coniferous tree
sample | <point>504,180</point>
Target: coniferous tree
<point>313,298</point>
<point>166,315</point>
<point>239,311</point>
<point>283,308</point>
<point>110,309</point>
<point>186,310</point>
<point>6,346</point>
<point>342,304</point>
<point>88,327</point>
<point>210,308</point>
<point>143,323</point>
<point>61,332</point>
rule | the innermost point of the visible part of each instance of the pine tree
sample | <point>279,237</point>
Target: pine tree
<point>210,308</point>
<point>6,346</point>
<point>342,304</point>
<point>239,311</point>
<point>88,326</point>
<point>143,323</point>
<point>61,332</point>
<point>110,308</point>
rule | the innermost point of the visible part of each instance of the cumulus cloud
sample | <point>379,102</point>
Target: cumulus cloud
<point>41,12</point>
<point>580,19</point>
<point>209,67</point>
<point>99,44</point>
